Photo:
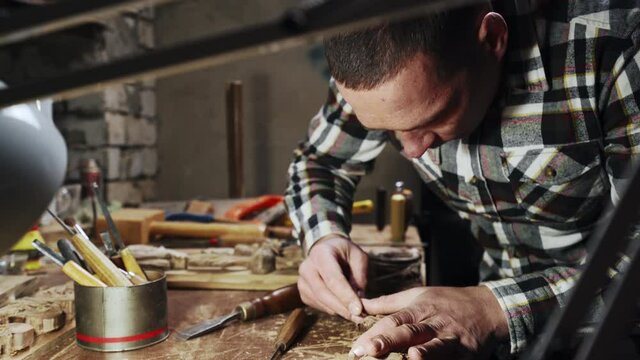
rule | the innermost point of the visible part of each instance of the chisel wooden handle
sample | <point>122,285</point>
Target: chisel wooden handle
<point>291,329</point>
<point>193,229</point>
<point>99,262</point>
<point>78,274</point>
<point>131,264</point>
<point>276,302</point>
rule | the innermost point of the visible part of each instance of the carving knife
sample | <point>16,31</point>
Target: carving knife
<point>276,302</point>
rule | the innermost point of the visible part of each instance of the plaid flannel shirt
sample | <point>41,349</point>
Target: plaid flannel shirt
<point>534,178</point>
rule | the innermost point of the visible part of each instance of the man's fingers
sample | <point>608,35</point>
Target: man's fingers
<point>334,279</point>
<point>307,296</point>
<point>436,349</point>
<point>390,304</point>
<point>358,262</point>
<point>323,294</point>
<point>386,340</point>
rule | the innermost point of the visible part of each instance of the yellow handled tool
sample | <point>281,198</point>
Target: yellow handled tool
<point>72,269</point>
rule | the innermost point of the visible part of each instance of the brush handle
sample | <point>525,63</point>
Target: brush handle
<point>78,274</point>
<point>99,262</point>
<point>131,264</point>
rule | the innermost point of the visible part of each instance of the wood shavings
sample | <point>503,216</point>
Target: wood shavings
<point>368,322</point>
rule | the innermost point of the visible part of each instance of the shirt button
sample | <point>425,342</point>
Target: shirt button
<point>473,180</point>
<point>550,172</point>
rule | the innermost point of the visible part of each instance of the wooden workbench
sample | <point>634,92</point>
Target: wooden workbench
<point>325,337</point>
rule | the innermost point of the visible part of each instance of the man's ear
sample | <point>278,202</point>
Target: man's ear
<point>493,35</point>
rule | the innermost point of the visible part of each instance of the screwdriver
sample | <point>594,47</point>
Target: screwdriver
<point>277,302</point>
<point>289,332</point>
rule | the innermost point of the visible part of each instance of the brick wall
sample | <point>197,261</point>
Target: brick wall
<point>118,126</point>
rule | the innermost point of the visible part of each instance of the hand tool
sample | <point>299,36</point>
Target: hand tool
<point>235,114</point>
<point>129,261</point>
<point>137,225</point>
<point>100,263</point>
<point>245,209</point>
<point>69,253</point>
<point>276,302</point>
<point>108,244</point>
<point>362,207</point>
<point>289,332</point>
<point>70,268</point>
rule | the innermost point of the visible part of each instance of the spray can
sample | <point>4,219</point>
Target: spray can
<point>398,211</point>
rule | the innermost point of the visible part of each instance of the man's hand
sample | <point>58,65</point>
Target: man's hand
<point>434,323</point>
<point>332,276</point>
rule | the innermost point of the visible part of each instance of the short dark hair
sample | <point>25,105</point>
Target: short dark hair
<point>363,59</point>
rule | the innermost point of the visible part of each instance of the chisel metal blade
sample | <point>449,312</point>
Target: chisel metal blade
<point>207,326</point>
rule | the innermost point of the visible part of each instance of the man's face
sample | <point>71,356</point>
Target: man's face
<point>422,109</point>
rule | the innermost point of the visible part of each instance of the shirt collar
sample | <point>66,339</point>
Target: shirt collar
<point>524,67</point>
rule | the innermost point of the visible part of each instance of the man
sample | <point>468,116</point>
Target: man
<point>522,118</point>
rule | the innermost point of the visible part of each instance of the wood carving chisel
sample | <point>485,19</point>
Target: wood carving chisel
<point>69,253</point>
<point>99,262</point>
<point>276,302</point>
<point>289,332</point>
<point>128,259</point>
<point>70,268</point>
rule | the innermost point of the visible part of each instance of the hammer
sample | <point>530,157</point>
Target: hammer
<point>138,225</point>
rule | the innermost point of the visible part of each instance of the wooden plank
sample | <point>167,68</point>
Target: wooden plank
<point>241,280</point>
<point>16,286</point>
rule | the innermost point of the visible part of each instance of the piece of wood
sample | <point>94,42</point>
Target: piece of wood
<point>44,315</point>
<point>133,224</point>
<point>161,264</point>
<point>63,295</point>
<point>177,259</point>
<point>218,262</point>
<point>263,261</point>
<point>241,280</point>
<point>16,286</point>
<point>230,232</point>
<point>47,346</point>
<point>15,337</point>
<point>199,207</point>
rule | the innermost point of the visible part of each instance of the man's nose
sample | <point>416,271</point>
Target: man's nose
<point>415,144</point>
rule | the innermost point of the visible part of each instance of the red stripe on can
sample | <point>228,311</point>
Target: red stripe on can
<point>137,337</point>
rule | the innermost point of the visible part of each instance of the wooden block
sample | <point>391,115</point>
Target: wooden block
<point>44,315</point>
<point>15,337</point>
<point>263,261</point>
<point>199,207</point>
<point>147,254</point>
<point>133,224</point>
<point>61,295</point>
<point>217,262</point>
<point>153,264</point>
<point>16,286</point>
<point>242,280</point>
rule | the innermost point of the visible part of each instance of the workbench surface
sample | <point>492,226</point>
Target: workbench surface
<point>325,337</point>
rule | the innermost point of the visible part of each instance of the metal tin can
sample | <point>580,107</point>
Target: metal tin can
<point>122,318</point>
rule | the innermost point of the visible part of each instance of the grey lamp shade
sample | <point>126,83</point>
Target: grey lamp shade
<point>33,160</point>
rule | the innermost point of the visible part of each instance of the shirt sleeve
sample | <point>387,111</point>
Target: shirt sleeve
<point>529,300</point>
<point>326,168</point>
